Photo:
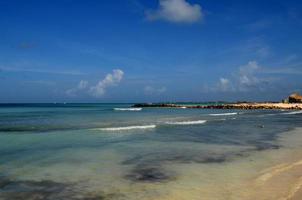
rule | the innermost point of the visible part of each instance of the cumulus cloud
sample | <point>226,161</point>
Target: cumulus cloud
<point>110,80</point>
<point>81,86</point>
<point>246,78</point>
<point>176,11</point>
<point>149,90</point>
<point>224,85</point>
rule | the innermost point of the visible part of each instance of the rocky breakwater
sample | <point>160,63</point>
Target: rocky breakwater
<point>245,106</point>
<point>289,106</point>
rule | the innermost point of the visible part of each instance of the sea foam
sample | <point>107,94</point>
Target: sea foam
<point>223,114</point>
<point>125,128</point>
<point>127,109</point>
<point>187,122</point>
<point>293,113</point>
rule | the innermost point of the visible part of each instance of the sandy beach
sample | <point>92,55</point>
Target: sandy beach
<point>297,106</point>
<point>267,175</point>
<point>282,180</point>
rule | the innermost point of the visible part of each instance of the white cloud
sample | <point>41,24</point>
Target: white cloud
<point>176,11</point>
<point>246,78</point>
<point>149,90</point>
<point>71,92</point>
<point>100,88</point>
<point>81,86</point>
<point>224,85</point>
<point>110,80</point>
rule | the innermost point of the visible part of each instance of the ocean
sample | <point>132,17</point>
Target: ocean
<point>113,151</point>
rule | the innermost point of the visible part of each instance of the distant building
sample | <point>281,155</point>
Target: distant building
<point>293,98</point>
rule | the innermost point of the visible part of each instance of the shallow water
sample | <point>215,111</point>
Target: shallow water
<point>95,151</point>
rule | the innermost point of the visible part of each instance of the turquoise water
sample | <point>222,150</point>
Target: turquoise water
<point>95,151</point>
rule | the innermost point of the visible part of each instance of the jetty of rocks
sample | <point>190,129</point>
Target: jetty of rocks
<point>245,106</point>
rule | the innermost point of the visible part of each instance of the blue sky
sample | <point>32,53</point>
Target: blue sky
<point>149,50</point>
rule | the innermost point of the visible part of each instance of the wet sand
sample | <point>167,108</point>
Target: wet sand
<point>266,175</point>
<point>282,180</point>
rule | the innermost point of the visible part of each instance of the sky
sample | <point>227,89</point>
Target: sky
<point>149,50</point>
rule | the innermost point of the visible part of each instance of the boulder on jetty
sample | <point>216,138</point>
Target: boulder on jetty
<point>293,98</point>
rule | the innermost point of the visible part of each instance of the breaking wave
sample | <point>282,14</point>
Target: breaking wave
<point>127,109</point>
<point>293,113</point>
<point>187,122</point>
<point>125,128</point>
<point>224,114</point>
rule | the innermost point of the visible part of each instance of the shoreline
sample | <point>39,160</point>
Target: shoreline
<point>264,175</point>
<point>242,106</point>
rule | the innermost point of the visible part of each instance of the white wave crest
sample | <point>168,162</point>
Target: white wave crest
<point>224,114</point>
<point>127,109</point>
<point>293,113</point>
<point>125,128</point>
<point>187,122</point>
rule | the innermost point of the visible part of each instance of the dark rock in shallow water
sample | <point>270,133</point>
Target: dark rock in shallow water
<point>149,174</point>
